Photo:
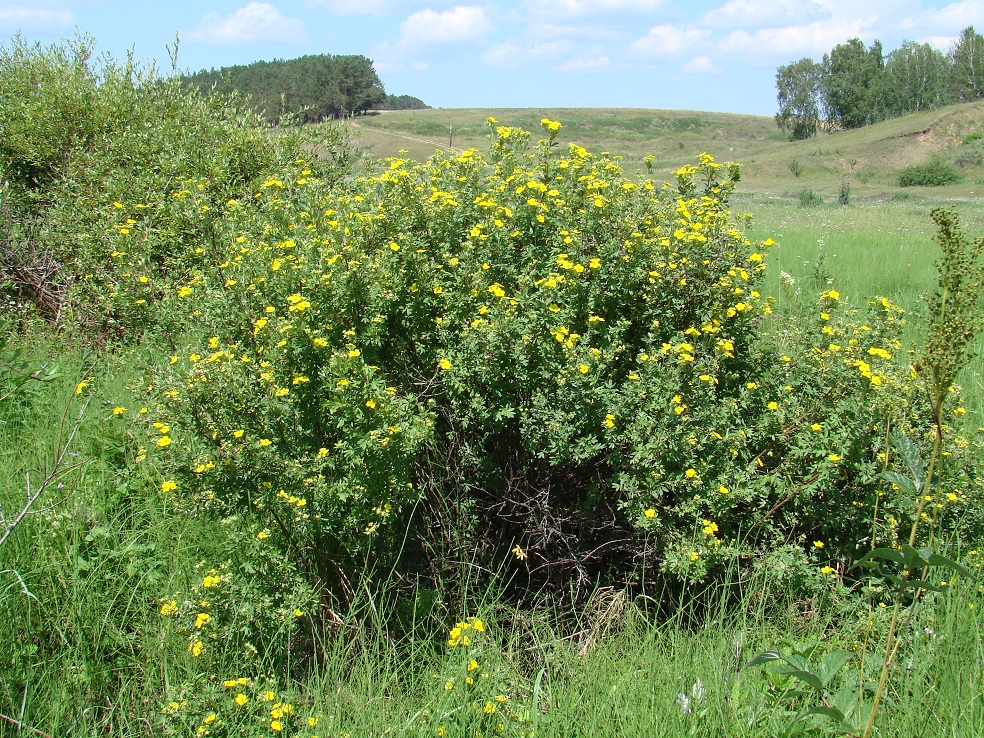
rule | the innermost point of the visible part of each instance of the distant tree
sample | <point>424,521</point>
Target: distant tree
<point>916,78</point>
<point>967,60</point>
<point>403,102</point>
<point>853,84</point>
<point>313,87</point>
<point>798,88</point>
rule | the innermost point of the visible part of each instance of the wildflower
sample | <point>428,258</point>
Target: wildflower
<point>196,648</point>
<point>650,513</point>
<point>609,421</point>
<point>263,534</point>
<point>834,457</point>
<point>818,544</point>
<point>723,490</point>
<point>241,699</point>
<point>164,441</point>
<point>119,410</point>
<point>169,608</point>
<point>827,570</point>
<point>518,552</point>
<point>264,442</point>
<point>168,486</point>
<point>445,364</point>
<point>203,617</point>
<point>710,528</point>
<point>211,581</point>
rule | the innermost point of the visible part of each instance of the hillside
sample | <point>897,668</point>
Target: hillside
<point>869,157</point>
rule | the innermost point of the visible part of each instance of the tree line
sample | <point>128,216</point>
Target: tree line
<point>313,87</point>
<point>855,85</point>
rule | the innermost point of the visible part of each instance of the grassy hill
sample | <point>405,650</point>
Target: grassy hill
<point>869,158</point>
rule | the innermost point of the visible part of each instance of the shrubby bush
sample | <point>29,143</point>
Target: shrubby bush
<point>82,134</point>
<point>936,172</point>
<point>527,353</point>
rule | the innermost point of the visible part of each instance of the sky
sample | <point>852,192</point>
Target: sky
<point>708,55</point>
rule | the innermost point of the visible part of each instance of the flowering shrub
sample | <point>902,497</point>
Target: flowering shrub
<point>580,356</point>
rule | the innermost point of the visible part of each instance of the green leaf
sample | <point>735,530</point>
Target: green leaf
<point>903,482</point>
<point>832,663</point>
<point>764,658</point>
<point>946,563</point>
<point>885,554</point>
<point>805,676</point>
<point>910,454</point>
<point>831,712</point>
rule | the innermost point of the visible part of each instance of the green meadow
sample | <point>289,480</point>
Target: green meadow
<point>304,436</point>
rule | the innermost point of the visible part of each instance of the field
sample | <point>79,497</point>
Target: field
<point>880,244</point>
<point>511,443</point>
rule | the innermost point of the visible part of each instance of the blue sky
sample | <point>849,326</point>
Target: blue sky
<point>715,55</point>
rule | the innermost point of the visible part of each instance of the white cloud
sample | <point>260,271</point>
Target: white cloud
<point>353,7</point>
<point>512,54</point>
<point>461,23</point>
<point>812,39</point>
<point>590,65</point>
<point>700,65</point>
<point>758,13</point>
<point>570,8</point>
<point>951,19</point>
<point>19,17</point>
<point>254,22</point>
<point>552,30</point>
<point>667,41</point>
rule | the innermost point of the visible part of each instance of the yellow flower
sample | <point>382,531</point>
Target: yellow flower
<point>773,406</point>
<point>119,410</point>
<point>817,427</point>
<point>276,726</point>
<point>164,441</point>
<point>609,421</point>
<point>818,544</point>
<point>168,486</point>
<point>650,513</point>
<point>211,581</point>
<point>518,552</point>
<point>834,457</point>
<point>169,608</point>
<point>196,648</point>
<point>690,473</point>
<point>263,534</point>
<point>723,490</point>
<point>264,442</point>
<point>238,433</point>
<point>241,699</point>
<point>583,368</point>
<point>445,364</point>
<point>203,617</point>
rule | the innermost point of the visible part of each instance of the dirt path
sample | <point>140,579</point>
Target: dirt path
<point>403,136</point>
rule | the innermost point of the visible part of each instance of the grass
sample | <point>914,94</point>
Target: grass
<point>870,157</point>
<point>85,651</point>
<point>867,249</point>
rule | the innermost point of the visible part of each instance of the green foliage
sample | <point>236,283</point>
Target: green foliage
<point>856,85</point>
<point>82,135</point>
<point>796,168</point>
<point>808,198</point>
<point>799,88</point>
<point>937,172</point>
<point>844,196</point>
<point>312,88</point>
<point>403,102</point>
<point>851,80</point>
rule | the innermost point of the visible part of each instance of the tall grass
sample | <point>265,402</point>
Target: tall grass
<point>868,249</point>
